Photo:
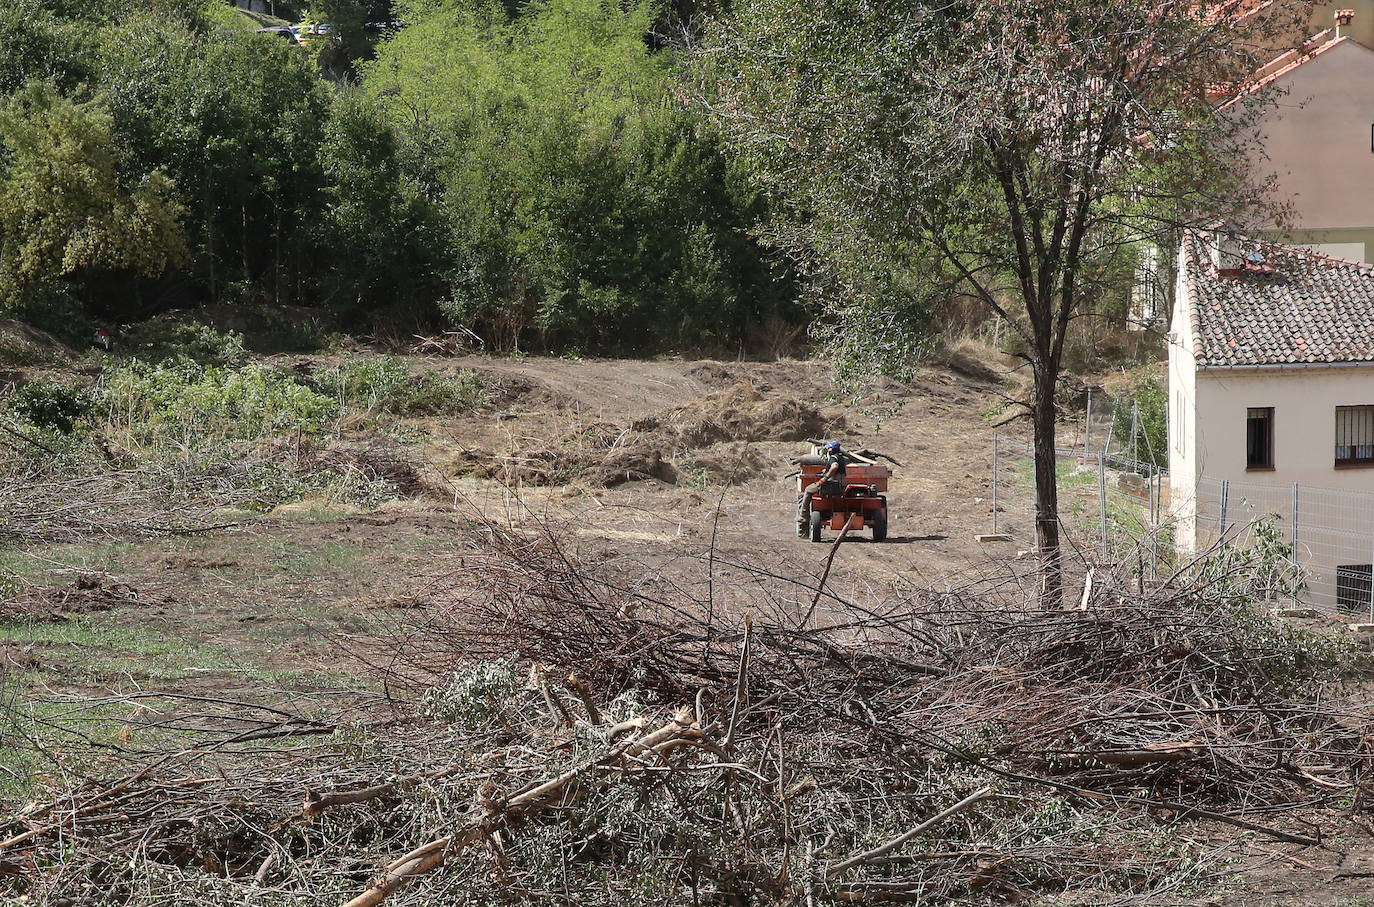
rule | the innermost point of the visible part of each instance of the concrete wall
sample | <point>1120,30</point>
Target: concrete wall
<point>1183,471</point>
<point>1317,143</point>
<point>1283,32</point>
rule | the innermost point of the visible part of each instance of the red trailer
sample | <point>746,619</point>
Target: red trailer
<point>863,503</point>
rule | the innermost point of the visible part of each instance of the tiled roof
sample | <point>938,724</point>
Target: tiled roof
<point>1281,66</point>
<point>1297,307</point>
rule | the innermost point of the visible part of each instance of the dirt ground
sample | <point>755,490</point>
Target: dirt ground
<point>639,461</point>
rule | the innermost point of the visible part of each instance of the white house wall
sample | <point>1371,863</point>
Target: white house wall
<point>1317,145</point>
<point>1304,402</point>
<point>1183,410</point>
<point>1331,531</point>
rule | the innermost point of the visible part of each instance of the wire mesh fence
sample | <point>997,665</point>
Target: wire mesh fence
<point>1330,534</point>
<point>1111,509</point>
<point>1118,509</point>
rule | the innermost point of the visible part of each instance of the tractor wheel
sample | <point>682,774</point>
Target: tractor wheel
<point>815,525</point>
<point>880,525</point>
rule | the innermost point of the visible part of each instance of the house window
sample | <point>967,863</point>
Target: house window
<point>1259,437</point>
<point>1352,586</point>
<point>1354,435</point>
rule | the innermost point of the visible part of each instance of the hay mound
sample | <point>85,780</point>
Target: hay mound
<point>384,463</point>
<point>22,344</point>
<point>711,374</point>
<point>741,413</point>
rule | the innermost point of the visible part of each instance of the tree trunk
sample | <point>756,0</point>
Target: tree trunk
<point>1043,413</point>
<point>210,238</point>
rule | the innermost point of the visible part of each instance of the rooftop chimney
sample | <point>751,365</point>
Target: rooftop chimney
<point>1343,19</point>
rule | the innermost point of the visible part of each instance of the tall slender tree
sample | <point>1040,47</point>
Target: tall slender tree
<point>1011,147</point>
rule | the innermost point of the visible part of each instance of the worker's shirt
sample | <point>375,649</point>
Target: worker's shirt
<point>838,476</point>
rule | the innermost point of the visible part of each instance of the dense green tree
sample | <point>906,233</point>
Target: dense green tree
<point>1013,146</point>
<point>381,240</point>
<point>35,44</point>
<point>236,121</point>
<point>589,206</point>
<point>71,204</point>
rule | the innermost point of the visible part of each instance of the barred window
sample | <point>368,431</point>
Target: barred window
<point>1352,586</point>
<point>1259,437</point>
<point>1354,435</point>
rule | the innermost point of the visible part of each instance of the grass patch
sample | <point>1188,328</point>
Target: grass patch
<point>38,564</point>
<point>100,649</point>
<point>386,384</point>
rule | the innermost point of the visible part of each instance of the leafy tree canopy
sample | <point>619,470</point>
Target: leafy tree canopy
<point>1011,147</point>
<point>68,202</point>
<point>581,192</point>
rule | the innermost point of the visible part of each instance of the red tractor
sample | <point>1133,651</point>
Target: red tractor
<point>863,502</point>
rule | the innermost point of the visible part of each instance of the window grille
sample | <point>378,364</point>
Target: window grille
<point>1354,435</point>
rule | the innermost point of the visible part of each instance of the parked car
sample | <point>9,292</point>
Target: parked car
<point>281,31</point>
<point>307,32</point>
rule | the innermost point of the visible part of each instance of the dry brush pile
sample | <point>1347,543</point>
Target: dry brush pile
<point>705,732</point>
<point>711,436</point>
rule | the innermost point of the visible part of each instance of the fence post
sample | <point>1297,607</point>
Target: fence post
<point>994,483</point>
<point>1135,435</point>
<point>1087,425</point>
<point>1371,583</point>
<point>1221,514</point>
<point>1102,494</point>
<point>1294,524</point>
<point>1295,540</point>
<point>1150,495</point>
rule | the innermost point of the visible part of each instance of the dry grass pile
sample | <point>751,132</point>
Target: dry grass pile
<point>741,413</point>
<point>707,437</point>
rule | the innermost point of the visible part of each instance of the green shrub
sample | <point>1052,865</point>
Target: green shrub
<point>385,383</point>
<point>209,403</point>
<point>160,340</point>
<point>51,406</point>
<point>1151,439</point>
<point>1240,581</point>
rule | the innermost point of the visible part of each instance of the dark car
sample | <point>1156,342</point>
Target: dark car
<point>281,31</point>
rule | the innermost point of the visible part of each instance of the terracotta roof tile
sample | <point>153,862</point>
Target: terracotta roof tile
<point>1297,307</point>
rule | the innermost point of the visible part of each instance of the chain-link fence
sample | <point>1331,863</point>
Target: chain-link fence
<point>1329,532</point>
<point>1117,509</point>
<point>1110,509</point>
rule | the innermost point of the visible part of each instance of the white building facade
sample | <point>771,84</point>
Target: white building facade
<point>1271,386</point>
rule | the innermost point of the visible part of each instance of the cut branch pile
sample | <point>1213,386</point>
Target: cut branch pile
<point>596,735</point>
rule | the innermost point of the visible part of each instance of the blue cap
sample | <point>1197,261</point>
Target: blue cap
<point>832,445</point>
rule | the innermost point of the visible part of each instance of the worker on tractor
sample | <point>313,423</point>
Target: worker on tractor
<point>831,482</point>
